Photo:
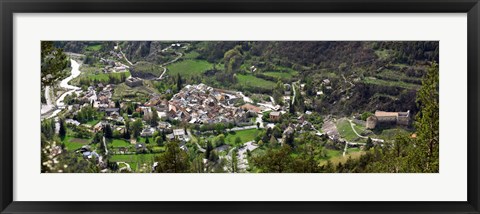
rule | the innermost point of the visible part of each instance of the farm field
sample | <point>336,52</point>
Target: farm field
<point>245,136</point>
<point>400,84</point>
<point>188,68</point>
<point>252,81</point>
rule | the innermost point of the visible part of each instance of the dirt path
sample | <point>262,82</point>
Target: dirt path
<point>179,55</point>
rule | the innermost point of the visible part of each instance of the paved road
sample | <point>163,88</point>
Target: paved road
<point>189,133</point>
<point>245,98</point>
<point>179,55</point>
<point>105,145</point>
<point>364,137</point>
<point>49,105</point>
<point>242,128</point>
<point>121,52</point>
<point>242,156</point>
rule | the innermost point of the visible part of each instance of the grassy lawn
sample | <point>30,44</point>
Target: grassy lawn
<point>188,68</point>
<point>252,81</point>
<point>143,139</point>
<point>134,160</point>
<point>359,128</point>
<point>345,130</point>
<point>92,122</point>
<point>120,143</point>
<point>245,136</point>
<point>138,93</point>
<point>72,143</point>
<point>104,77</point>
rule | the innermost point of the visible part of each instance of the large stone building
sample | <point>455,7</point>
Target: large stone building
<point>388,118</point>
<point>133,81</point>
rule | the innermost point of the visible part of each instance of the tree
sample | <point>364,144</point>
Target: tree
<point>234,161</point>
<point>219,140</point>
<point>275,160</point>
<point>197,164</point>
<point>238,140</point>
<point>369,143</point>
<point>365,115</point>
<point>63,130</point>
<point>136,127</point>
<point>154,119</point>
<point>208,150</point>
<point>147,141</point>
<point>427,119</point>
<point>173,160</point>
<point>278,92</point>
<point>159,140</point>
<point>53,62</point>
<point>107,130</point>
<point>126,132</point>
<point>179,82</point>
<point>291,107</point>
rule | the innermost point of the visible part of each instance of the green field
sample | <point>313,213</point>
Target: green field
<point>72,143</point>
<point>391,75</point>
<point>252,81</point>
<point>94,47</point>
<point>134,160</point>
<point>137,93</point>
<point>120,143</point>
<point>391,133</point>
<point>188,68</point>
<point>400,84</point>
<point>92,122</point>
<point>280,75</point>
<point>191,55</point>
<point>147,67</point>
<point>245,136</point>
<point>345,130</point>
<point>103,77</point>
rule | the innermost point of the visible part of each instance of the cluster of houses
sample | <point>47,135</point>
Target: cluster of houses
<point>205,105</point>
<point>112,66</point>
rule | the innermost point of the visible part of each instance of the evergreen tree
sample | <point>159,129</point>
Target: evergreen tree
<point>427,119</point>
<point>107,130</point>
<point>154,119</point>
<point>179,82</point>
<point>63,129</point>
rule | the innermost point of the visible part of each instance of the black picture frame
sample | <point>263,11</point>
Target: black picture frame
<point>9,7</point>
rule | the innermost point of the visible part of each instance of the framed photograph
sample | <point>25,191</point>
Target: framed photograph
<point>243,107</point>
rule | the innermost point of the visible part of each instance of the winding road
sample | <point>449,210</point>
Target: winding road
<point>179,55</point>
<point>59,105</point>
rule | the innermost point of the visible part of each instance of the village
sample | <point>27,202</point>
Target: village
<point>224,128</point>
